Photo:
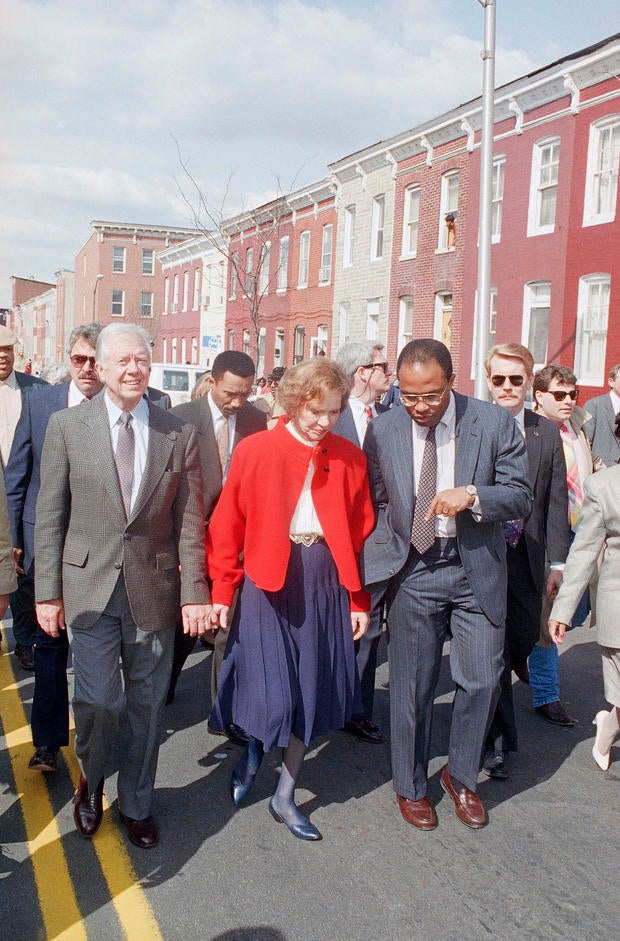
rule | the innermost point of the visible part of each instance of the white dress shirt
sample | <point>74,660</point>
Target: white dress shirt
<point>140,425</point>
<point>10,410</point>
<point>305,519</point>
<point>360,417</point>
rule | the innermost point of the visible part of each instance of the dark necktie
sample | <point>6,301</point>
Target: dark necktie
<point>124,457</point>
<point>423,531</point>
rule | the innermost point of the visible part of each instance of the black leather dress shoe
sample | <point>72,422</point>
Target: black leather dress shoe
<point>494,765</point>
<point>365,730</point>
<point>44,759</point>
<point>25,655</point>
<point>555,713</point>
<point>236,734</point>
<point>88,808</point>
<point>142,833</point>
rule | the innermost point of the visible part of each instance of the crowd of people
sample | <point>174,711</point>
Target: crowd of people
<point>285,523</point>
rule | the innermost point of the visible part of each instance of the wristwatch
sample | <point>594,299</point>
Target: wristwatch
<point>472,490</point>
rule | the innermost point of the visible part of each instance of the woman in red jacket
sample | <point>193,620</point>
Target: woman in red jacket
<point>288,528</point>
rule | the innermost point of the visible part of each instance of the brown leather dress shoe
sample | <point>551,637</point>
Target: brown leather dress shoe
<point>469,808</point>
<point>418,813</point>
<point>142,833</point>
<point>88,808</point>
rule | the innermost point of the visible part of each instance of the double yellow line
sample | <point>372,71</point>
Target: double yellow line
<point>58,898</point>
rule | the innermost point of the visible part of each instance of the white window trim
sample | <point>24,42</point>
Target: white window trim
<point>283,264</point>
<point>348,246</point>
<point>152,296</point>
<point>403,304</point>
<point>444,209</point>
<point>590,217</point>
<point>304,239</point>
<point>377,227</point>
<point>533,227</point>
<point>440,307</point>
<point>122,293</point>
<point>151,273</point>
<point>124,251</point>
<point>598,378</point>
<point>496,237</point>
<point>325,271</point>
<point>263,277</point>
<point>405,251</point>
<point>528,299</point>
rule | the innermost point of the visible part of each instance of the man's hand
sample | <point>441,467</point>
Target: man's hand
<point>557,630</point>
<point>553,584</point>
<point>17,558</point>
<point>359,622</point>
<point>4,603</point>
<point>196,619</point>
<point>51,616</point>
<point>219,616</point>
<point>450,502</point>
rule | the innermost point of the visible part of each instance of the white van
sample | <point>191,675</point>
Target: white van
<point>177,381</point>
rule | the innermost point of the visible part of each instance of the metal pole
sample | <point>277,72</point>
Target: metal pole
<point>483,306</point>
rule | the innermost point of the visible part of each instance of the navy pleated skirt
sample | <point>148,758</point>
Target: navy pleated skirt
<point>289,664</point>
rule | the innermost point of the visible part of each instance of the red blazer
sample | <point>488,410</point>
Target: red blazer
<point>256,506</point>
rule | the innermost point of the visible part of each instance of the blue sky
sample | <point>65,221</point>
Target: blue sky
<point>93,97</point>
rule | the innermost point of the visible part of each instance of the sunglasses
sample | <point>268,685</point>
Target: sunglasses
<point>560,394</point>
<point>500,380</point>
<point>80,360</point>
<point>384,366</point>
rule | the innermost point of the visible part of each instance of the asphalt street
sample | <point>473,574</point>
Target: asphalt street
<point>546,866</point>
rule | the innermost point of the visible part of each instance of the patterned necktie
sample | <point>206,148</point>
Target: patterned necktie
<point>124,457</point>
<point>512,532</point>
<point>573,481</point>
<point>423,531</point>
<point>368,413</point>
<point>222,445</point>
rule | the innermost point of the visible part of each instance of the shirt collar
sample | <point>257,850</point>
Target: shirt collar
<point>10,381</point>
<point>140,412</point>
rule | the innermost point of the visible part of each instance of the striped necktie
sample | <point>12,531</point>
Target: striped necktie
<point>423,531</point>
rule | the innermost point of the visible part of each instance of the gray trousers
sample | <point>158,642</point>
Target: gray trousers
<point>99,699</point>
<point>429,601</point>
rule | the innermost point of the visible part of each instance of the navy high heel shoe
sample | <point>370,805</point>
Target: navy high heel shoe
<point>303,831</point>
<point>250,762</point>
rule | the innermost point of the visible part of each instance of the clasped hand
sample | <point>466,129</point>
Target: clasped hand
<point>450,502</point>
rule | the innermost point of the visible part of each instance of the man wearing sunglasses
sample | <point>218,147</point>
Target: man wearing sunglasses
<point>50,703</point>
<point>544,533</point>
<point>445,470</point>
<point>366,368</point>
<point>555,397</point>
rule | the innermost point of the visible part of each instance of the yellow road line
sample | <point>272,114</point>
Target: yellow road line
<point>134,912</point>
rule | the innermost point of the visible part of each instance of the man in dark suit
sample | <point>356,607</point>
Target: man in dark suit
<point>366,368</point>
<point>222,418</point>
<point>544,534</point>
<point>14,387</point>
<point>445,470</point>
<point>603,427</point>
<point>119,546</point>
<point>50,703</point>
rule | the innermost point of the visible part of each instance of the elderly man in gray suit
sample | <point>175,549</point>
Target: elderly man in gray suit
<point>119,544</point>
<point>603,426</point>
<point>445,471</point>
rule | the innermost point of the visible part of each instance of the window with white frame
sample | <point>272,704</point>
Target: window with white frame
<point>164,350</point>
<point>183,350</point>
<point>349,237</point>
<point>448,211</point>
<point>262,336</point>
<point>148,261</point>
<point>343,322</point>
<point>591,331</point>
<point>325,271</point>
<point>543,187</point>
<point>443,317</point>
<point>234,262</point>
<point>175,295</point>
<point>146,303</point>
<point>304,259</point>
<point>249,268</point>
<point>197,282</point>
<point>263,280</point>
<point>283,264</point>
<point>278,350</point>
<point>173,355</point>
<point>186,290</point>
<point>166,295</point>
<point>318,344</point>
<point>411,221</point>
<point>230,339</point>
<point>372,318</point>
<point>300,336</point>
<point>497,197</point>
<point>195,350</point>
<point>405,322</point>
<point>246,342</point>
<point>535,329</point>
<point>602,172</point>
<point>376,230</point>
<point>491,329</point>
<point>118,260</point>
<point>118,304</point>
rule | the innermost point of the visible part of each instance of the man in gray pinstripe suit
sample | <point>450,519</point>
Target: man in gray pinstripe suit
<point>119,547</point>
<point>439,548</point>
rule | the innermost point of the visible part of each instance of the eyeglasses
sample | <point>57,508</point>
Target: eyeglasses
<point>384,366</point>
<point>560,394</point>
<point>79,360</point>
<point>500,380</point>
<point>427,398</point>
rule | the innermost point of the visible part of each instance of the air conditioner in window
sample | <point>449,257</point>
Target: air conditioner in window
<point>324,275</point>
